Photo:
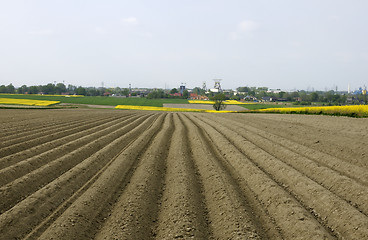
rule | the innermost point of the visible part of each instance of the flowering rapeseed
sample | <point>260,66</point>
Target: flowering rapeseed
<point>353,110</point>
<point>27,102</point>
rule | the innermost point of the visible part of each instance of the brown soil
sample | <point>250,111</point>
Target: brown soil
<point>103,174</point>
<point>204,106</point>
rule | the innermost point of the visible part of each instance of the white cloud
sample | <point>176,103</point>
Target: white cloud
<point>131,21</point>
<point>244,28</point>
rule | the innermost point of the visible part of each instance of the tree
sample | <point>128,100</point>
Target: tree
<point>156,94</point>
<point>185,94</point>
<point>3,89</point>
<point>197,90</point>
<point>11,88</point>
<point>33,90</point>
<point>173,91</point>
<point>219,101</point>
<point>60,88</point>
<point>125,92</point>
<point>314,97</point>
<point>80,91</point>
<point>71,89</point>
<point>282,94</point>
<point>243,89</point>
<point>23,89</point>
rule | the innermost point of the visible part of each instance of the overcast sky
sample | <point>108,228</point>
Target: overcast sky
<point>287,44</point>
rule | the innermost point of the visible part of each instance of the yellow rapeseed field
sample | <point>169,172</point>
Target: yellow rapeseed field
<point>130,107</point>
<point>352,110</point>
<point>27,102</point>
<point>54,95</point>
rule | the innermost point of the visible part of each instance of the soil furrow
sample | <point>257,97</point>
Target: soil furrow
<point>347,139</point>
<point>336,213</point>
<point>20,188</point>
<point>89,206</point>
<point>58,148</point>
<point>346,188</point>
<point>26,136</point>
<point>111,174</point>
<point>44,138</point>
<point>136,211</point>
<point>23,121</point>
<point>264,222</point>
<point>22,218</point>
<point>355,172</point>
<point>49,146</point>
<point>30,131</point>
<point>292,219</point>
<point>229,215</point>
<point>183,213</point>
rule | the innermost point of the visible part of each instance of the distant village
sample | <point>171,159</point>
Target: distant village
<point>253,94</point>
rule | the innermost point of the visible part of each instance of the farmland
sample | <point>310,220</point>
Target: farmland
<point>114,101</point>
<point>124,174</point>
<point>96,100</point>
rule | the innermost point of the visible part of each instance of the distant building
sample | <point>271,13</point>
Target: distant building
<point>176,94</point>
<point>267,99</point>
<point>274,91</point>
<point>182,89</point>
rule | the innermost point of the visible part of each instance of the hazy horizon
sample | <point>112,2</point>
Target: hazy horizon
<point>282,44</point>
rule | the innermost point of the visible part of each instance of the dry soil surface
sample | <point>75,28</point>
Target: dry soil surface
<point>203,106</point>
<point>114,174</point>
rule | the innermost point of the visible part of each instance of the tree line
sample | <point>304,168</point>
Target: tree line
<point>301,97</point>
<point>248,93</point>
<point>62,89</point>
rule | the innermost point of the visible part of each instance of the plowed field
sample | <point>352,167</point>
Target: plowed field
<point>114,174</point>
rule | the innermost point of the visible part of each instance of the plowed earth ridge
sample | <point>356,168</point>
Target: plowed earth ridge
<point>110,174</point>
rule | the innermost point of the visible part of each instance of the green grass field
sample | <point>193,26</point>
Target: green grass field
<point>256,106</point>
<point>114,101</point>
<point>110,101</point>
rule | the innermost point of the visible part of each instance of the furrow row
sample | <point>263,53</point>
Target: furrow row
<point>229,214</point>
<point>45,131</point>
<point>20,188</point>
<point>105,174</point>
<point>332,211</point>
<point>51,149</point>
<point>292,219</point>
<point>135,212</point>
<point>80,216</point>
<point>48,136</point>
<point>55,149</point>
<point>23,123</point>
<point>22,218</point>
<point>183,212</point>
<point>348,144</point>
<point>352,188</point>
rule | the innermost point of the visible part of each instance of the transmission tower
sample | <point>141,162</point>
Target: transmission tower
<point>218,84</point>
